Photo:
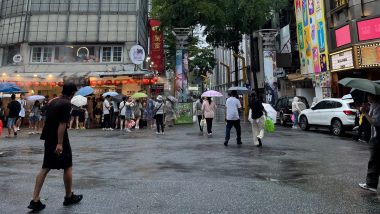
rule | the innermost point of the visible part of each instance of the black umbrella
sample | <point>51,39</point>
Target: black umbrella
<point>360,96</point>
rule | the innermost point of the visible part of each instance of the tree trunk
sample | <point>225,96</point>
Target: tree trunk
<point>236,51</point>
<point>252,56</point>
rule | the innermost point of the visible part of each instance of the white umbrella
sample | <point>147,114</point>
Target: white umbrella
<point>272,113</point>
<point>240,90</point>
<point>35,97</point>
<point>79,100</point>
<point>212,93</point>
<point>112,94</point>
<point>347,97</point>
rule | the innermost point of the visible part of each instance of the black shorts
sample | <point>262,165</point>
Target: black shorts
<point>54,161</point>
<point>122,117</point>
<point>75,113</point>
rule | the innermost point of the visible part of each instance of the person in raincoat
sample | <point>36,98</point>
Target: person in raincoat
<point>256,118</point>
<point>170,114</point>
<point>296,111</point>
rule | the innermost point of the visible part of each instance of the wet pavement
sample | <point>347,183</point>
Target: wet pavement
<point>184,172</point>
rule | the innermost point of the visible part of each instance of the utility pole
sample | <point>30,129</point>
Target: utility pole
<point>252,56</point>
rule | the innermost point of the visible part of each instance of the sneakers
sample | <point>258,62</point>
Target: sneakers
<point>104,129</point>
<point>127,130</point>
<point>110,129</point>
<point>158,133</point>
<point>260,143</point>
<point>73,199</point>
<point>366,187</point>
<point>225,143</point>
<point>36,206</point>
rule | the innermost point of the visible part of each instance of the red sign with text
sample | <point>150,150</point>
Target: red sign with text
<point>369,29</point>
<point>156,52</point>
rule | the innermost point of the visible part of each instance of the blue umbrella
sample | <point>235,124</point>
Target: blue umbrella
<point>10,88</point>
<point>85,91</point>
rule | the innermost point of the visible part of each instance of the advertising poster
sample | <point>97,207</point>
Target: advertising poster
<point>178,74</point>
<point>184,113</point>
<point>311,34</point>
<point>369,55</point>
<point>156,51</point>
<point>270,67</point>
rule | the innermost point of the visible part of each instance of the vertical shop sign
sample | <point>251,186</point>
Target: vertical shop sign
<point>311,35</point>
<point>156,52</point>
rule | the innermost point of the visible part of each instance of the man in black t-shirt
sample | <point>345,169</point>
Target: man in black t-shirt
<point>14,108</point>
<point>57,153</point>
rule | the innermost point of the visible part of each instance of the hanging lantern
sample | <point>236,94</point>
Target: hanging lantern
<point>146,81</point>
<point>36,84</point>
<point>116,82</point>
<point>29,84</point>
<point>20,84</point>
<point>93,82</point>
<point>44,84</point>
<point>155,79</point>
<point>53,84</point>
<point>124,82</point>
<point>60,84</point>
<point>108,82</point>
<point>100,82</point>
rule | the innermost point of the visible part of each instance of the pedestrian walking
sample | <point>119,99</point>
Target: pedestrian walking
<point>159,115</point>
<point>21,115</point>
<point>137,108</point>
<point>75,113</point>
<point>129,114</point>
<point>256,118</point>
<point>35,117</point>
<point>107,113</point>
<point>208,110</point>
<point>233,107</point>
<point>57,153</point>
<point>296,110</point>
<point>14,109</point>
<point>122,109</point>
<point>43,110</point>
<point>373,116</point>
<point>170,114</point>
<point>199,112</point>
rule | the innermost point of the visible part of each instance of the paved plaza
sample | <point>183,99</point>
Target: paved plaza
<point>184,172</point>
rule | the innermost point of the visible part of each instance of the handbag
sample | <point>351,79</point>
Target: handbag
<point>269,125</point>
<point>131,124</point>
<point>203,123</point>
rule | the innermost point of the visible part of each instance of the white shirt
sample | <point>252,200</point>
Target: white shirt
<point>106,107</point>
<point>123,107</point>
<point>232,108</point>
<point>22,111</point>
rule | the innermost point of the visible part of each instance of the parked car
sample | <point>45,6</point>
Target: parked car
<point>336,114</point>
<point>284,109</point>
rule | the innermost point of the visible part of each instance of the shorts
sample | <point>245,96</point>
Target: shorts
<point>43,118</point>
<point>35,118</point>
<point>75,113</point>
<point>122,117</point>
<point>11,122</point>
<point>54,161</point>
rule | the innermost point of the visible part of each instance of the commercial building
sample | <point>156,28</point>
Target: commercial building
<point>43,43</point>
<point>354,38</point>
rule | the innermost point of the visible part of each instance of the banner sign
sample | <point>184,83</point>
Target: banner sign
<point>369,29</point>
<point>342,60</point>
<point>156,51</point>
<point>184,113</point>
<point>311,34</point>
<point>369,55</point>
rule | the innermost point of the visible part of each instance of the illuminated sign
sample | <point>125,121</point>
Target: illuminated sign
<point>343,36</point>
<point>369,29</point>
<point>369,55</point>
<point>342,60</point>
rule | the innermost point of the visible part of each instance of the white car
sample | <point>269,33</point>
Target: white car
<point>336,114</point>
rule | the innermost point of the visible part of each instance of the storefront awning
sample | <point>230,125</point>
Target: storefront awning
<point>296,77</point>
<point>119,73</point>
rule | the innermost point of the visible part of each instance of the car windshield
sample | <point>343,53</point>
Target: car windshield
<point>290,101</point>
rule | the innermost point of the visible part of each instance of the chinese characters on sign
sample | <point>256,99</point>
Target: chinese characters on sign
<point>156,46</point>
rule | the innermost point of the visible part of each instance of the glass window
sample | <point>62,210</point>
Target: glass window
<point>320,105</point>
<point>48,55</point>
<point>106,54</point>
<point>36,54</point>
<point>117,54</point>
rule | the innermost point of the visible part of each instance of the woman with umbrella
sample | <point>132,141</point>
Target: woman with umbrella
<point>208,109</point>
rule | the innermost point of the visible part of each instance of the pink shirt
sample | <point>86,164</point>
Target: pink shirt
<point>208,109</point>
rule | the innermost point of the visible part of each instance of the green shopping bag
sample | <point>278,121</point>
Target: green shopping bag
<point>269,125</point>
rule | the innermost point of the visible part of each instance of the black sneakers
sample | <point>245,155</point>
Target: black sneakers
<point>225,143</point>
<point>260,143</point>
<point>36,206</point>
<point>73,199</point>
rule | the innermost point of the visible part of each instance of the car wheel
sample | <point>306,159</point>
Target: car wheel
<point>282,120</point>
<point>304,124</point>
<point>337,127</point>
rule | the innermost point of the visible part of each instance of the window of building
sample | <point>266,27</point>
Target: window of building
<point>42,55</point>
<point>112,54</point>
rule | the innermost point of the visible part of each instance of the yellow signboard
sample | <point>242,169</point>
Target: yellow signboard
<point>311,34</point>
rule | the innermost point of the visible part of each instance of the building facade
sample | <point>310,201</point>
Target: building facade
<point>354,38</point>
<point>46,40</point>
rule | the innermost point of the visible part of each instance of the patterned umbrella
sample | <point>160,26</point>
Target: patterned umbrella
<point>212,93</point>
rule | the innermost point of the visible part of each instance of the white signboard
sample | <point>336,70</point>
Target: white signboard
<point>137,54</point>
<point>342,60</point>
<point>285,40</point>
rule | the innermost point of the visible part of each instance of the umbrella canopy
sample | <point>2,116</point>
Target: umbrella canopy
<point>85,91</point>
<point>118,98</point>
<point>112,94</point>
<point>79,100</point>
<point>10,88</point>
<point>139,95</point>
<point>240,90</point>
<point>212,93</point>
<point>272,113</point>
<point>362,85</point>
<point>173,99</point>
<point>35,97</point>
